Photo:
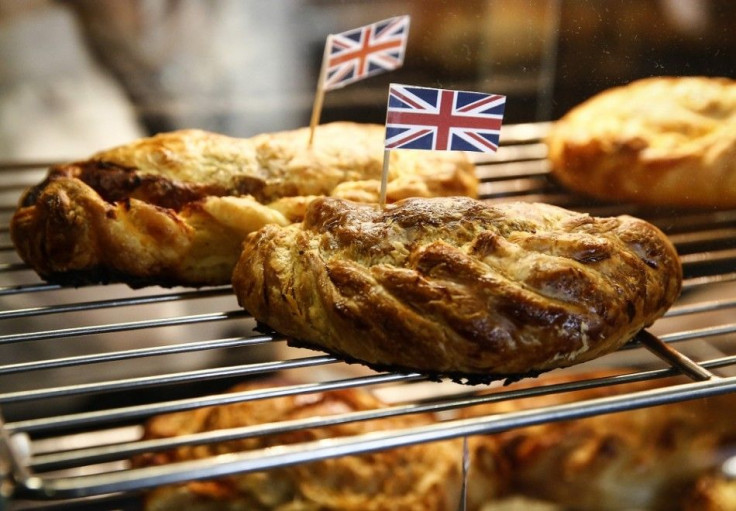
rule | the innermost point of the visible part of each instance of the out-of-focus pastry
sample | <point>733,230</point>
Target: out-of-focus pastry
<point>648,458</point>
<point>425,476</point>
<point>659,141</point>
<point>713,491</point>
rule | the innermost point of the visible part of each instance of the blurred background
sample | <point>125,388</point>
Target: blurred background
<point>80,75</point>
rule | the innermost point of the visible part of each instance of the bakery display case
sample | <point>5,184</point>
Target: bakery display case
<point>84,369</point>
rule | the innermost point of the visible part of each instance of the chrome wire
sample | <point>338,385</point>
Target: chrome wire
<point>110,356</point>
<point>433,405</point>
<point>141,411</point>
<point>265,459</point>
<point>122,302</point>
<point>121,327</point>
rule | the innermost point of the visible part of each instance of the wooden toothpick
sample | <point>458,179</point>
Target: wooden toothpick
<point>384,178</point>
<point>319,96</point>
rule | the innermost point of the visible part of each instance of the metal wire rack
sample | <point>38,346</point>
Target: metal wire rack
<point>81,369</point>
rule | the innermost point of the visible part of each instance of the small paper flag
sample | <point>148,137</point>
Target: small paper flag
<point>444,120</point>
<point>365,51</point>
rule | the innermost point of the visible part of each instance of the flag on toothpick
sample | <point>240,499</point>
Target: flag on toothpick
<point>444,120</point>
<point>441,120</point>
<point>365,51</point>
<point>357,54</point>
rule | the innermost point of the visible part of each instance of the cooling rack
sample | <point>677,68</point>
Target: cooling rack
<point>81,369</point>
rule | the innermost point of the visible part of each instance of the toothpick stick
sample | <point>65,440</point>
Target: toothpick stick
<point>384,178</point>
<point>319,96</point>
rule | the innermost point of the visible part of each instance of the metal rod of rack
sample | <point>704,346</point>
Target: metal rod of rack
<point>265,459</point>
<point>120,327</point>
<point>434,405</point>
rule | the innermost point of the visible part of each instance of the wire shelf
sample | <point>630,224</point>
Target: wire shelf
<point>81,369</point>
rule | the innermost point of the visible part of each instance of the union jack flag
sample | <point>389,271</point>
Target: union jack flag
<point>365,51</point>
<point>441,119</point>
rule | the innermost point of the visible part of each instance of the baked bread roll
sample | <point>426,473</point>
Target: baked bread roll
<point>174,209</point>
<point>426,476</point>
<point>458,287</point>
<point>647,459</point>
<point>662,141</point>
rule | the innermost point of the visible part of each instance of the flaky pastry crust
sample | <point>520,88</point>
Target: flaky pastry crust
<point>659,141</point>
<point>419,477</point>
<point>458,287</point>
<point>173,209</point>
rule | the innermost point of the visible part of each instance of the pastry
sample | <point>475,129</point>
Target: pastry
<point>659,141</point>
<point>713,491</point>
<point>458,287</point>
<point>425,476</point>
<point>173,209</point>
<point>654,458</point>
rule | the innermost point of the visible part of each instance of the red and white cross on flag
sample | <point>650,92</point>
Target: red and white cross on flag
<point>365,51</point>
<point>359,53</point>
<point>441,119</point>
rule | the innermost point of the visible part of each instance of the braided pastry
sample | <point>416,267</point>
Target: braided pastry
<point>174,209</point>
<point>458,287</point>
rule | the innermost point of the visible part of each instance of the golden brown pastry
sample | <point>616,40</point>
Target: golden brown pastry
<point>421,477</point>
<point>713,491</point>
<point>173,209</point>
<point>458,287</point>
<point>663,140</point>
<point>657,458</point>
<point>644,459</point>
